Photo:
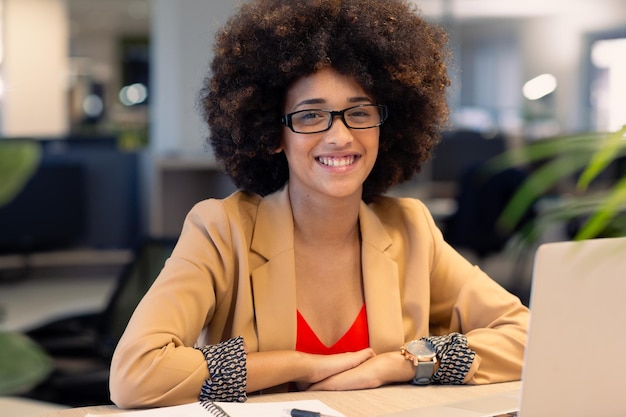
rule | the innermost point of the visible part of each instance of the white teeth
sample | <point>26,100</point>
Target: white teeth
<point>337,162</point>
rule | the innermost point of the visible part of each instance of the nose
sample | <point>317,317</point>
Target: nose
<point>339,133</point>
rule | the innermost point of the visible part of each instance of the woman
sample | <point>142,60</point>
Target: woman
<point>308,277</point>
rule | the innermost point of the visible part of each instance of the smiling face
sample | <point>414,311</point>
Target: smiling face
<point>334,163</point>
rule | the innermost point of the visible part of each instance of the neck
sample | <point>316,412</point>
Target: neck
<point>328,221</point>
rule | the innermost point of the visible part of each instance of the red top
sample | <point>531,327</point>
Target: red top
<point>356,338</point>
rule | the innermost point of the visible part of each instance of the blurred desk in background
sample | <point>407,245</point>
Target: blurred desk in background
<point>40,288</point>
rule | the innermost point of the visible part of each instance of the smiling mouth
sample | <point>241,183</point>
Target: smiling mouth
<point>336,162</point>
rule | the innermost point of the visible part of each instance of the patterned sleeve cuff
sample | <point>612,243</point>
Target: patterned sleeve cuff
<point>455,358</point>
<point>227,371</point>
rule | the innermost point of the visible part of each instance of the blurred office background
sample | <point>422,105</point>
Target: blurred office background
<point>108,90</point>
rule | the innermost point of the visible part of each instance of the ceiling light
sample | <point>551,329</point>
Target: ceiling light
<point>539,86</point>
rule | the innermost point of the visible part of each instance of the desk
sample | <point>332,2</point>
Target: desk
<point>364,403</point>
<point>50,286</point>
<point>33,303</point>
<point>23,407</point>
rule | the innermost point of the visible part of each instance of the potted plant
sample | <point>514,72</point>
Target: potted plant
<point>576,180</point>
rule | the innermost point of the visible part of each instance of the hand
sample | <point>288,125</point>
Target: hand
<point>378,370</point>
<point>271,368</point>
<point>324,366</point>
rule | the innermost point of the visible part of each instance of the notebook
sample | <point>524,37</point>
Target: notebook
<point>231,409</point>
<point>575,358</point>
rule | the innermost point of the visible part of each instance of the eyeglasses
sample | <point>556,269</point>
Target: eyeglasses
<point>363,116</point>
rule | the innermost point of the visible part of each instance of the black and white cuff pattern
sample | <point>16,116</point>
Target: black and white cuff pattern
<point>227,371</point>
<point>455,358</point>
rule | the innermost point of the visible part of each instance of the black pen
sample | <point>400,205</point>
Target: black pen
<point>305,413</point>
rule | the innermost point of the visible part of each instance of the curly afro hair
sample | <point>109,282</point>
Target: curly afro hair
<point>386,46</point>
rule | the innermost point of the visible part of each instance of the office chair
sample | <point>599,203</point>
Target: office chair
<point>82,347</point>
<point>480,201</point>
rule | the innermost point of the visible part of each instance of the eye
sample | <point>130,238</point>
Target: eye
<point>359,113</point>
<point>363,114</point>
<point>308,117</point>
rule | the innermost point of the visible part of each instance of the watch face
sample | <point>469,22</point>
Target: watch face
<point>422,349</point>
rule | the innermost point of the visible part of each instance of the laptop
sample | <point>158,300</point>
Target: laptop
<point>575,358</point>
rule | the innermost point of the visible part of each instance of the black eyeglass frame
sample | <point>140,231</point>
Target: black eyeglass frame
<point>286,119</point>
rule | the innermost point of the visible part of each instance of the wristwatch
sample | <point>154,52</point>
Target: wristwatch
<point>422,354</point>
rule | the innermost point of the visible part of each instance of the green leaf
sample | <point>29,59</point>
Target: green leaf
<point>23,364</point>
<point>608,210</point>
<point>612,146</point>
<point>18,162</point>
<point>537,184</point>
<point>544,149</point>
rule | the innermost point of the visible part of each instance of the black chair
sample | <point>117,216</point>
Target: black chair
<point>481,200</point>
<point>82,347</point>
<point>460,151</point>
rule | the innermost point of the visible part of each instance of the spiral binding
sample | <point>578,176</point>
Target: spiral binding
<point>214,409</point>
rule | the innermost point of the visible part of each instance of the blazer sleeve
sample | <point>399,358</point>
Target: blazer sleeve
<point>465,300</point>
<point>155,362</point>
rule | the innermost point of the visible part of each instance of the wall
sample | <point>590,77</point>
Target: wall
<point>182,38</point>
<point>34,68</point>
<point>178,170</point>
<point>556,43</point>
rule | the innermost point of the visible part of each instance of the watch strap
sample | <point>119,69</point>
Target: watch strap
<point>424,360</point>
<point>424,373</point>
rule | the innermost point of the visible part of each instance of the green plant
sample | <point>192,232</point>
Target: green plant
<point>18,161</point>
<point>580,160</point>
<point>23,364</point>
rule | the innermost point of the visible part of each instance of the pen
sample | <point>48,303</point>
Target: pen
<point>305,413</point>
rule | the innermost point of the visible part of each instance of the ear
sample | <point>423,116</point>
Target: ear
<point>278,150</point>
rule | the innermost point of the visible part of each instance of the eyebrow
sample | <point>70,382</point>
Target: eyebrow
<point>357,99</point>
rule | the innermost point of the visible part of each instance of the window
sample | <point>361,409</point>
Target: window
<point>608,83</point>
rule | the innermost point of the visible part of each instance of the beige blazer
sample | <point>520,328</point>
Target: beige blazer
<point>233,273</point>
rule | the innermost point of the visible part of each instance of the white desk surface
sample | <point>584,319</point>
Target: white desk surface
<point>364,403</point>
<point>22,407</point>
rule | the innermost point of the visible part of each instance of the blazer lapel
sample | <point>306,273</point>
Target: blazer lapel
<point>274,287</point>
<point>273,276</point>
<point>380,283</point>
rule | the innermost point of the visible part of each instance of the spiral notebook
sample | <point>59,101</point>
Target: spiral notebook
<point>226,409</point>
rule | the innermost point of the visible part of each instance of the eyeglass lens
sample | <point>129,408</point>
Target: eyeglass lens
<point>358,117</point>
